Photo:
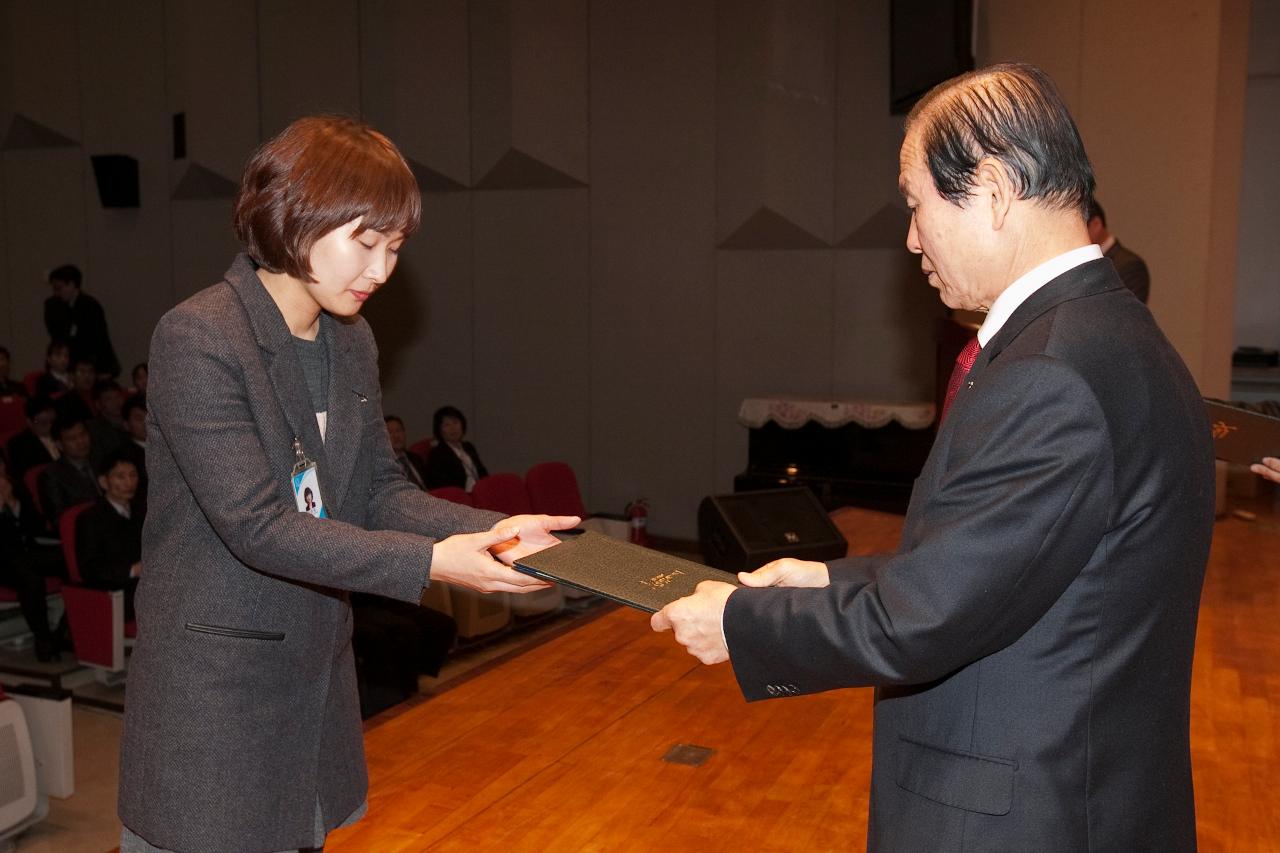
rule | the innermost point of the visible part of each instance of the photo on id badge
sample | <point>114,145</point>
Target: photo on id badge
<point>306,491</point>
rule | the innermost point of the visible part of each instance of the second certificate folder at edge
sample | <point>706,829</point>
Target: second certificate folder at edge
<point>638,577</point>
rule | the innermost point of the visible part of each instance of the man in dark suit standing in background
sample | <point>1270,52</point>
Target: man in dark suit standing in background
<point>1031,640</point>
<point>1132,268</point>
<point>76,317</point>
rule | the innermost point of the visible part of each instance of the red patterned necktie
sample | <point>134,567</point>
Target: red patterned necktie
<point>964,363</point>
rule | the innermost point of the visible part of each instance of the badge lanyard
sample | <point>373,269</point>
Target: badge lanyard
<point>306,483</point>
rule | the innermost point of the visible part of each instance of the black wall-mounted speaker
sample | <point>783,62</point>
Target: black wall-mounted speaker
<point>117,177</point>
<point>745,530</point>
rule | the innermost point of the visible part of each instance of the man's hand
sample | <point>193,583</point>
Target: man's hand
<point>535,534</point>
<point>698,621</point>
<point>787,572</point>
<point>1267,469</point>
<point>464,559</point>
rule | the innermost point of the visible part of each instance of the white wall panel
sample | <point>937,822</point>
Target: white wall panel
<point>128,267</point>
<point>308,60</point>
<point>532,317</point>
<point>652,362</point>
<point>774,334</point>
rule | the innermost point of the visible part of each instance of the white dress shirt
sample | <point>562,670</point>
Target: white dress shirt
<point>1018,292</point>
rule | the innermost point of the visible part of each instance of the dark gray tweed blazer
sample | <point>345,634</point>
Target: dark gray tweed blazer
<point>242,711</point>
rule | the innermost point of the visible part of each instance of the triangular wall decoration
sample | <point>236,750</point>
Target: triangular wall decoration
<point>202,182</point>
<point>516,170</point>
<point>884,229</point>
<point>767,229</point>
<point>431,181</point>
<point>25,133</point>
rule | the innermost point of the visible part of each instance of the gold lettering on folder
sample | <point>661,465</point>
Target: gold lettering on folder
<point>1221,429</point>
<point>659,581</point>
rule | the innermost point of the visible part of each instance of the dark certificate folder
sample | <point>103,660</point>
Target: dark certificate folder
<point>637,577</point>
<point>1240,435</point>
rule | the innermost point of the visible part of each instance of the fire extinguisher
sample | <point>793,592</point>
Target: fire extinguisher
<point>637,513</point>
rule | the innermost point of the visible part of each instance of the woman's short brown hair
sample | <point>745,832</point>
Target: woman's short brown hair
<point>319,173</point>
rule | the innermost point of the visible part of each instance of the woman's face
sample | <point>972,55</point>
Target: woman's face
<point>348,267</point>
<point>451,428</point>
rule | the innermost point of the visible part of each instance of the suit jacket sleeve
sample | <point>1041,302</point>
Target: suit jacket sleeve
<point>1017,514</point>
<point>216,446</point>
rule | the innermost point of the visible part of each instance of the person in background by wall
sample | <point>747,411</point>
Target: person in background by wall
<point>400,447</point>
<point>1132,269</point>
<point>74,316</point>
<point>9,387</point>
<point>453,461</point>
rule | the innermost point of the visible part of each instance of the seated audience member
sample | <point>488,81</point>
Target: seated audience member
<point>139,378</point>
<point>78,402</point>
<point>453,461</point>
<point>135,447</point>
<point>413,469</point>
<point>109,533</point>
<point>393,642</point>
<point>71,479</point>
<point>108,427</point>
<point>9,387</point>
<point>25,564</point>
<point>34,445</point>
<point>56,379</point>
<point>1132,268</point>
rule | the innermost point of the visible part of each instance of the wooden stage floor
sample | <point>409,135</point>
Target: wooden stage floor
<point>562,748</point>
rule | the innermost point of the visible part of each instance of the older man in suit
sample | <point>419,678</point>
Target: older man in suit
<point>1031,640</point>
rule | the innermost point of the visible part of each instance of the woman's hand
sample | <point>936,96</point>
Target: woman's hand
<point>535,534</point>
<point>464,559</point>
<point>1268,469</point>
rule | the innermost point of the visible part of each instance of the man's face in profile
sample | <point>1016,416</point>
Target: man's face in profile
<point>950,239</point>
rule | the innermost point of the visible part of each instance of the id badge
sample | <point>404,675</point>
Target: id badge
<point>306,484</point>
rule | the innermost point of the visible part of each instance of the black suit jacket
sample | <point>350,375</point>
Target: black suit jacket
<point>25,451</point>
<point>1132,269</point>
<point>84,327</point>
<point>444,468</point>
<point>107,544</point>
<point>63,485</point>
<point>1032,637</point>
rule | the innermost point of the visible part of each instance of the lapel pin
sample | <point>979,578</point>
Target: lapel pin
<point>362,398</point>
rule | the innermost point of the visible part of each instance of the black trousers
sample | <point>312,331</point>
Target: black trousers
<point>25,572</point>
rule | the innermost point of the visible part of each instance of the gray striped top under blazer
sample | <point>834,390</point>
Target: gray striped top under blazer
<point>242,707</point>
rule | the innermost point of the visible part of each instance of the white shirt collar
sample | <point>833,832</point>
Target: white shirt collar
<point>1108,243</point>
<point>1031,281</point>
<point>121,509</point>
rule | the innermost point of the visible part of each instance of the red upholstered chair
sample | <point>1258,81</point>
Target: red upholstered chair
<point>421,449</point>
<point>98,628</point>
<point>503,493</point>
<point>31,480</point>
<point>452,493</point>
<point>553,490</point>
<point>13,416</point>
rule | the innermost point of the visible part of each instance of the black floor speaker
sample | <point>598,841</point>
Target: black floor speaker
<point>745,530</point>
